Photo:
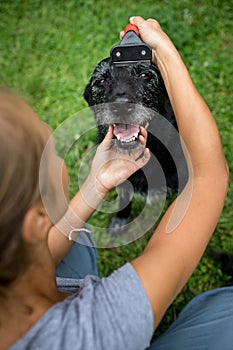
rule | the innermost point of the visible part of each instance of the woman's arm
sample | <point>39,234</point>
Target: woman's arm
<point>182,235</point>
<point>109,168</point>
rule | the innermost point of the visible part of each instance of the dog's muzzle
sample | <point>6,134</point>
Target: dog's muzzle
<point>122,112</point>
<point>126,122</point>
<point>126,119</point>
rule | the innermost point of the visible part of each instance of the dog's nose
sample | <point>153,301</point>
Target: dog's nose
<point>121,106</point>
<point>121,99</point>
<point>120,93</point>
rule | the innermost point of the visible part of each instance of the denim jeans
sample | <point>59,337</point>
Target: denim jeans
<point>81,259</point>
<point>205,323</point>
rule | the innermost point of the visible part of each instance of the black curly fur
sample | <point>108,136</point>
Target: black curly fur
<point>141,90</point>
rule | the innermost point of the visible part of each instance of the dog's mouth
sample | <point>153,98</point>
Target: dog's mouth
<point>126,119</point>
<point>126,133</point>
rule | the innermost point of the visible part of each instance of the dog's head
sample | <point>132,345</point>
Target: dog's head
<point>126,97</point>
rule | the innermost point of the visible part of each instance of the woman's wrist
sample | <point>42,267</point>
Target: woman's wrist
<point>93,192</point>
<point>81,207</point>
<point>164,51</point>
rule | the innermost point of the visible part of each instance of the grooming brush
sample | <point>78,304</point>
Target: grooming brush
<point>131,49</point>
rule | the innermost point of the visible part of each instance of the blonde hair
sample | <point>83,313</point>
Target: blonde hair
<point>22,140</point>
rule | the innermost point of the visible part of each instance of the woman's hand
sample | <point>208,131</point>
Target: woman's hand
<point>152,34</point>
<point>110,167</point>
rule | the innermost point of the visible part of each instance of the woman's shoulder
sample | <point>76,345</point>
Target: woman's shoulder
<point>109,312</point>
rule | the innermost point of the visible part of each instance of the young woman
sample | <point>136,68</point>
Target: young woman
<point>122,310</point>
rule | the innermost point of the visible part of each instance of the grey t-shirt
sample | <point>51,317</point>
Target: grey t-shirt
<point>102,313</point>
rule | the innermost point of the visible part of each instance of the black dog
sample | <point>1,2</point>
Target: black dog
<point>129,97</point>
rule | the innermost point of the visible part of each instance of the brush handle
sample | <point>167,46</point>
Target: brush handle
<point>131,27</point>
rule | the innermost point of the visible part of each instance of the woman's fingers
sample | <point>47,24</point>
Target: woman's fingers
<point>136,20</point>
<point>142,136</point>
<point>109,135</point>
<point>122,34</point>
<point>133,20</point>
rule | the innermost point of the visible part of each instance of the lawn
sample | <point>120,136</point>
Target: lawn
<point>48,50</point>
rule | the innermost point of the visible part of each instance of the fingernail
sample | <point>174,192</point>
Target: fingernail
<point>131,18</point>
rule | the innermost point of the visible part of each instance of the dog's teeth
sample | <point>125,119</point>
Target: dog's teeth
<point>114,125</point>
<point>133,138</point>
<point>136,135</point>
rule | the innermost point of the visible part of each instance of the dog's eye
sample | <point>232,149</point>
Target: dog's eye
<point>100,82</point>
<point>144,76</point>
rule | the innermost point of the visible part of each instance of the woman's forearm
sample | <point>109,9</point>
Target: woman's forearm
<point>195,122</point>
<point>81,207</point>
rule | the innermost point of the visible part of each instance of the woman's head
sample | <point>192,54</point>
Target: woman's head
<point>23,137</point>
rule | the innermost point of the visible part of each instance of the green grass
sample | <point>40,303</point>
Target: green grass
<point>48,50</point>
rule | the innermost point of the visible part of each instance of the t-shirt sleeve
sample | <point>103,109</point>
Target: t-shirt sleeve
<point>120,311</point>
<point>111,313</point>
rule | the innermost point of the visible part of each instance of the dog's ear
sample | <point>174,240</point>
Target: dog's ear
<point>166,107</point>
<point>169,113</point>
<point>99,69</point>
<point>168,110</point>
<point>88,94</point>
